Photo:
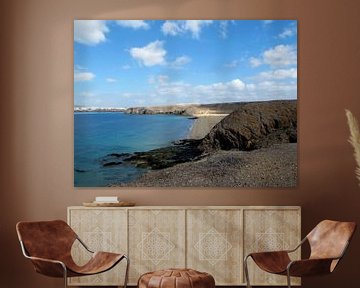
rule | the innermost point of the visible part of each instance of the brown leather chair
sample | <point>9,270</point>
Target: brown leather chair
<point>48,245</point>
<point>328,242</point>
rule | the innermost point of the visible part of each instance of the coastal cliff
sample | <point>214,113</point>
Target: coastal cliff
<point>253,126</point>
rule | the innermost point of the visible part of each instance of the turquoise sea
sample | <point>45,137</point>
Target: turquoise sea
<point>98,134</point>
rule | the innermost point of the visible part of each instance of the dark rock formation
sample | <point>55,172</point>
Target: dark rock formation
<point>118,155</point>
<point>112,163</point>
<point>180,152</point>
<point>113,159</point>
<point>157,110</point>
<point>254,125</point>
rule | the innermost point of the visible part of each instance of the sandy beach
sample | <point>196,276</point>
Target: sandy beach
<point>203,124</point>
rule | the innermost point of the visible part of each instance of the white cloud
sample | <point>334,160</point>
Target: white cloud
<point>221,89</point>
<point>255,62</point>
<point>267,22</point>
<point>274,86</point>
<point>172,90</point>
<point>272,90</point>
<point>174,28</point>
<point>195,26</point>
<point>162,79</point>
<point>223,29</point>
<point>288,32</point>
<point>90,32</point>
<point>171,28</point>
<point>79,67</point>
<point>279,74</point>
<point>237,84</point>
<point>179,62</point>
<point>111,80</point>
<point>158,79</point>
<point>151,54</point>
<point>165,91</point>
<point>83,76</point>
<point>187,93</point>
<point>281,55</point>
<point>135,24</point>
<point>125,67</point>
<point>155,54</point>
<point>232,64</point>
<point>87,94</point>
<point>250,86</point>
<point>278,56</point>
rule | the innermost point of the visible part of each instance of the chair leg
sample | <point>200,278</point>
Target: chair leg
<point>246,270</point>
<point>65,276</point>
<point>127,271</point>
<point>288,278</point>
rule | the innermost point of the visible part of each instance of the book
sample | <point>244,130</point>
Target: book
<point>105,202</point>
<point>107,199</point>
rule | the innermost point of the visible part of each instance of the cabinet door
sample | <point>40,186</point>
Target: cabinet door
<point>214,244</point>
<point>100,230</point>
<point>156,240</point>
<point>271,230</point>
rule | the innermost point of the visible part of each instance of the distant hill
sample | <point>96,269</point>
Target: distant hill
<point>96,109</point>
<point>187,109</point>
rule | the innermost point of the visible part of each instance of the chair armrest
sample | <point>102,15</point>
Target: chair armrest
<point>45,260</point>
<point>83,244</point>
<point>298,246</point>
<point>268,254</point>
<point>309,267</point>
<point>48,267</point>
<point>280,251</point>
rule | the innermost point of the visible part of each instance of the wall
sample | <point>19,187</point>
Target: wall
<point>37,124</point>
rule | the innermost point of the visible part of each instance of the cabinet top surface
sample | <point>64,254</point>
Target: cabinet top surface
<point>192,207</point>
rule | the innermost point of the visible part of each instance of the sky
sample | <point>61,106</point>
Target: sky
<point>132,63</point>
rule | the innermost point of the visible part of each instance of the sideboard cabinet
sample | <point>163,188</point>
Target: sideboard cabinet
<point>211,239</point>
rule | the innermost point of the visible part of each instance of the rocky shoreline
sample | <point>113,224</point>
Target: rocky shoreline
<point>179,152</point>
<point>254,146</point>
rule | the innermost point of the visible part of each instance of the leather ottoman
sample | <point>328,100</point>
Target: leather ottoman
<point>176,278</point>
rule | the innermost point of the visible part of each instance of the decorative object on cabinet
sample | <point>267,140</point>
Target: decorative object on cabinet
<point>328,242</point>
<point>48,245</point>
<point>108,201</point>
<point>354,140</point>
<point>204,238</point>
<point>176,278</point>
<point>109,204</point>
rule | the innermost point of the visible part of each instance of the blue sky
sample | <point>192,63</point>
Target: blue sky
<point>131,63</point>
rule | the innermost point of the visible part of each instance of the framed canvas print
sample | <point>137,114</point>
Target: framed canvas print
<point>179,103</point>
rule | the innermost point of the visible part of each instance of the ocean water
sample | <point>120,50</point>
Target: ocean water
<point>98,134</point>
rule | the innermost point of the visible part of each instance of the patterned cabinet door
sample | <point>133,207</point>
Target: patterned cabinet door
<point>156,240</point>
<point>270,230</point>
<point>214,244</point>
<point>101,230</point>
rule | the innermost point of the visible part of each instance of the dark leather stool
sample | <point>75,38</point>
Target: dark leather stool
<point>176,278</point>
